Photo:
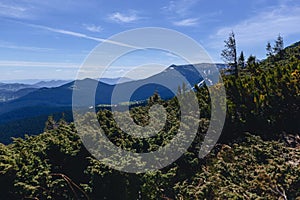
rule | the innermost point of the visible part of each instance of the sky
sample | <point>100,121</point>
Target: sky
<point>52,39</point>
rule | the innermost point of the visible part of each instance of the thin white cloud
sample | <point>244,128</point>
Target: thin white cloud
<point>93,28</point>
<point>180,7</point>
<point>14,11</point>
<point>16,63</point>
<point>92,70</point>
<point>26,48</point>
<point>187,22</point>
<point>123,18</point>
<point>264,26</point>
<point>79,35</point>
<point>170,55</point>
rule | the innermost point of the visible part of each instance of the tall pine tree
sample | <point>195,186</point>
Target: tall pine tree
<point>269,49</point>
<point>229,54</point>
<point>241,60</point>
<point>278,47</point>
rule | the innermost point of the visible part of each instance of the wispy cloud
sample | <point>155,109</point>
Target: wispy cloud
<point>124,18</point>
<point>187,22</point>
<point>14,11</point>
<point>93,28</point>
<point>26,48</point>
<point>16,63</point>
<point>264,26</point>
<point>79,35</point>
<point>180,7</point>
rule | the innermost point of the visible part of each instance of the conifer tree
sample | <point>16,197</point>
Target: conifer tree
<point>241,60</point>
<point>50,123</point>
<point>251,63</point>
<point>229,54</point>
<point>269,49</point>
<point>278,47</point>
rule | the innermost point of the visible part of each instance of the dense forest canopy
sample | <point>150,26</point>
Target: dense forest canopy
<point>257,156</point>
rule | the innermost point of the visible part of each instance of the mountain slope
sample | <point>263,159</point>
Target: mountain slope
<point>15,86</point>
<point>12,91</point>
<point>62,96</point>
<point>50,84</point>
<point>47,101</point>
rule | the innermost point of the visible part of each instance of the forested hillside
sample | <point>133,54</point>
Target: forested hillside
<point>257,156</point>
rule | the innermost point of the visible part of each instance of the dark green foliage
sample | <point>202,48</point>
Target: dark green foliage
<point>263,100</point>
<point>253,169</point>
<point>269,50</point>
<point>229,53</point>
<point>266,96</point>
<point>40,167</point>
<point>30,126</point>
<point>241,60</point>
<point>278,47</point>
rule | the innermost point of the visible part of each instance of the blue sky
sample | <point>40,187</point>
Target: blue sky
<point>51,39</point>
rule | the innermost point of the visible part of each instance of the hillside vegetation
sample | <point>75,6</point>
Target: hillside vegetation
<point>258,154</point>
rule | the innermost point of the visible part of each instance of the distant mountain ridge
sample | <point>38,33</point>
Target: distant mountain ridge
<point>113,81</point>
<point>46,101</point>
<point>11,91</point>
<point>14,86</point>
<point>50,84</point>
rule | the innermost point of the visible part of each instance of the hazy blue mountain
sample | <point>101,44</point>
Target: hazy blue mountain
<point>14,86</point>
<point>172,77</point>
<point>30,81</point>
<point>8,95</point>
<point>46,101</point>
<point>51,83</point>
<point>11,91</point>
<point>113,81</point>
